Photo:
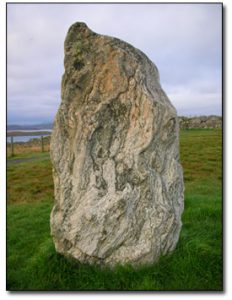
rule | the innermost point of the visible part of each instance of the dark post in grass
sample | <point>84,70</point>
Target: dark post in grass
<point>12,145</point>
<point>42,144</point>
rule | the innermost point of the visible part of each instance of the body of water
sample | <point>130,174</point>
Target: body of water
<point>25,138</point>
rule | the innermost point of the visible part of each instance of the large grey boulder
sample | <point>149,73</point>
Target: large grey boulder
<point>115,155</point>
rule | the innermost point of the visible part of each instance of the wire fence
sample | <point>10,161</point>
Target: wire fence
<point>39,144</point>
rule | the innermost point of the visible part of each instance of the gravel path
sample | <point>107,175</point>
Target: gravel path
<point>16,161</point>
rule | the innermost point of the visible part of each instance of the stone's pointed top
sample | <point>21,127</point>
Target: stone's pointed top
<point>78,30</point>
<point>79,26</point>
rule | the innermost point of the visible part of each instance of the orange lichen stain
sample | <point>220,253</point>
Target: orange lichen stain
<point>111,79</point>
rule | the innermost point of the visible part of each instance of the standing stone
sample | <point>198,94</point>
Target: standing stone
<point>115,154</point>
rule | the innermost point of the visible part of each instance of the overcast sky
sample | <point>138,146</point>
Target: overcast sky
<point>183,40</point>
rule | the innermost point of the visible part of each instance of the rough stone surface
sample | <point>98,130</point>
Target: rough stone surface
<point>115,154</point>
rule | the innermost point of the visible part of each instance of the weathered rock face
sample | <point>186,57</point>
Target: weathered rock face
<point>115,154</point>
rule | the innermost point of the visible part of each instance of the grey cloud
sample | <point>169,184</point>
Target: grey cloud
<point>198,104</point>
<point>183,40</point>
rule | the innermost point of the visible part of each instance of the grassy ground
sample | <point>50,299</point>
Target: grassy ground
<point>196,264</point>
<point>30,154</point>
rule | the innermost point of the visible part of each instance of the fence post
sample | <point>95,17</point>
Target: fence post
<point>42,144</point>
<point>12,145</point>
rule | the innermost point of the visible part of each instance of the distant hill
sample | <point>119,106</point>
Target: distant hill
<point>30,127</point>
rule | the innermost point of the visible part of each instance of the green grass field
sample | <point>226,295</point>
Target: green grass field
<point>196,263</point>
